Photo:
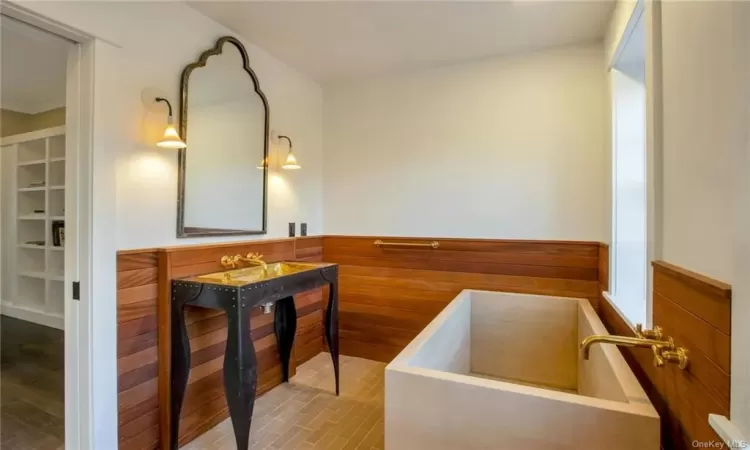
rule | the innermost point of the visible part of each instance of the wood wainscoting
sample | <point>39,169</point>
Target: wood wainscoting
<point>137,352</point>
<point>143,328</point>
<point>695,311</point>
<point>388,294</point>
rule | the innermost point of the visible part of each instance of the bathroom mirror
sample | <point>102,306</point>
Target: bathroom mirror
<point>224,122</point>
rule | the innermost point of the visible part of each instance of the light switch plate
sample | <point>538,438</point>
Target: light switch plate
<point>303,229</point>
<point>292,229</point>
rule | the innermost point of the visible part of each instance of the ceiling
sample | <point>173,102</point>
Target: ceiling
<point>335,41</point>
<point>34,66</point>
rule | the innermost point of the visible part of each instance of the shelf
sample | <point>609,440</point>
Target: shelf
<point>32,162</point>
<point>32,246</point>
<point>38,275</point>
<point>43,276</point>
<point>38,269</point>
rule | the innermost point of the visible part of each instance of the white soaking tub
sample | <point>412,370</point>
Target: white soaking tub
<point>502,371</point>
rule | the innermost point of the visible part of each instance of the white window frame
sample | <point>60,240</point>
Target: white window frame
<point>650,12</point>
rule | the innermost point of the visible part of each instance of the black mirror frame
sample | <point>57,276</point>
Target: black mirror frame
<point>182,230</point>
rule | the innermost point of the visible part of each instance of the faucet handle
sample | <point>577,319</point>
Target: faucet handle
<point>658,360</point>
<point>256,256</point>
<point>228,262</point>
<point>678,356</point>
<point>656,333</point>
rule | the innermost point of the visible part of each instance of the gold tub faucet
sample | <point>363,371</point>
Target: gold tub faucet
<point>663,348</point>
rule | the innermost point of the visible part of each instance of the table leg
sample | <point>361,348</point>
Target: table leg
<point>180,362</point>
<point>332,328</point>
<point>285,326</point>
<point>240,373</point>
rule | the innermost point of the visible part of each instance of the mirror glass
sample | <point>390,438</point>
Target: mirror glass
<point>224,122</point>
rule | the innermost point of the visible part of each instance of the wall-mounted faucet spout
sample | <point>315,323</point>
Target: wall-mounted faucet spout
<point>624,341</point>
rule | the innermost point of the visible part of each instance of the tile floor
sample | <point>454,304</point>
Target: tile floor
<point>305,414</point>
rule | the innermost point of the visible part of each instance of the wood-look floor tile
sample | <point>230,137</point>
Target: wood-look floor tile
<point>305,414</point>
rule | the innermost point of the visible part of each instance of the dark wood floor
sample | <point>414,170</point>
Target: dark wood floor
<point>31,386</point>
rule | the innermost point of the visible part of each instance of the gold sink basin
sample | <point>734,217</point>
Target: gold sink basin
<point>247,275</point>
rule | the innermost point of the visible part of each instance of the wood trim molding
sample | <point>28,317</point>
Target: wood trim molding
<point>710,286</point>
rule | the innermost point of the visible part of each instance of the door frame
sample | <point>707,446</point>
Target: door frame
<point>79,134</point>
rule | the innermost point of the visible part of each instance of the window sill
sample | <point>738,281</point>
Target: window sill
<point>611,300</point>
<point>728,432</point>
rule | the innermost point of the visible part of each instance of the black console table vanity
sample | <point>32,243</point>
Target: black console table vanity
<point>237,292</point>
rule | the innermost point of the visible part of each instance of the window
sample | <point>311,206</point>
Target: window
<point>628,289</point>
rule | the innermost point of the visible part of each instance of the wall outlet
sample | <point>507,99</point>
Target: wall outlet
<point>292,229</point>
<point>303,229</point>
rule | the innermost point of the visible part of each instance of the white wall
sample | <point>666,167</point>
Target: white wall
<point>504,148</point>
<point>152,54</point>
<point>704,132</point>
<point>706,53</point>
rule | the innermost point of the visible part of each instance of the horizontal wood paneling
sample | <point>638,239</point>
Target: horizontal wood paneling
<point>143,287</point>
<point>387,295</point>
<point>695,311</point>
<point>137,384</point>
<point>310,305</point>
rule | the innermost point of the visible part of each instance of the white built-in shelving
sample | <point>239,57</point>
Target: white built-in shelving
<point>38,201</point>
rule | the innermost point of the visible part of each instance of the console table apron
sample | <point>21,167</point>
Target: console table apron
<point>240,364</point>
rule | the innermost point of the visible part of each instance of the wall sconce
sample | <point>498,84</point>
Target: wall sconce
<point>171,138</point>
<point>291,161</point>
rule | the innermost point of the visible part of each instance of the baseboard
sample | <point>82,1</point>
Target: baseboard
<point>30,315</point>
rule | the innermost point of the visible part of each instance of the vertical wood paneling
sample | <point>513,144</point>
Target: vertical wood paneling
<point>387,295</point>
<point>695,311</point>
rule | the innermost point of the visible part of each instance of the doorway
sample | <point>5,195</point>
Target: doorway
<point>35,262</point>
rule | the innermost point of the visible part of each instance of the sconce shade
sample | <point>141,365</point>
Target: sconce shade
<point>291,162</point>
<point>171,137</point>
<point>262,164</point>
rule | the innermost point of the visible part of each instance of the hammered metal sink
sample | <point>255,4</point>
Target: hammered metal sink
<point>258,273</point>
